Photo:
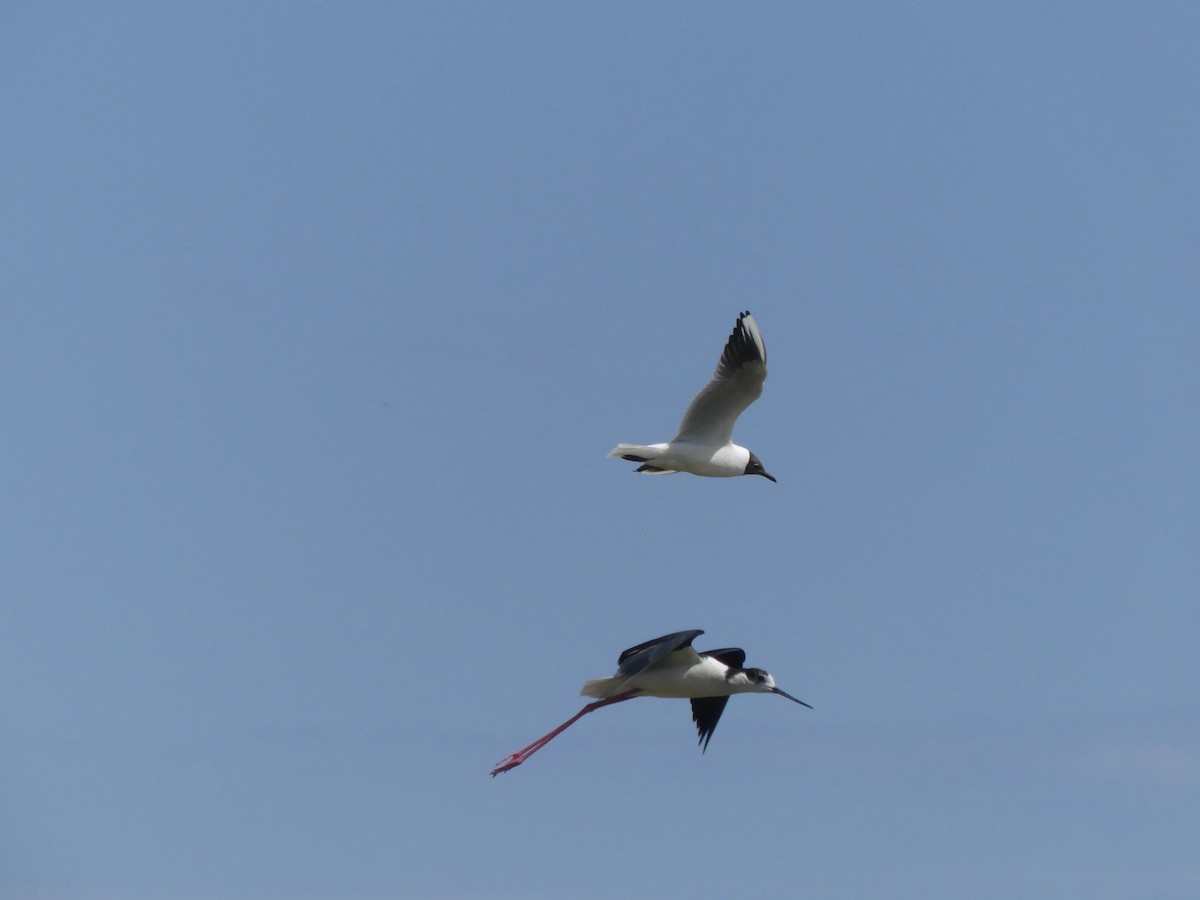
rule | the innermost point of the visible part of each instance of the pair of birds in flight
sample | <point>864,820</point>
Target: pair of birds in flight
<point>668,666</point>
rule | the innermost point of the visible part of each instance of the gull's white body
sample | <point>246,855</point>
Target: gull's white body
<point>724,461</point>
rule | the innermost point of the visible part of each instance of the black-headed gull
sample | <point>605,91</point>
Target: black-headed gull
<point>668,667</point>
<point>704,445</point>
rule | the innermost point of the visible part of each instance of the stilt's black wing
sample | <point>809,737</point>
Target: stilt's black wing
<point>643,656</point>
<point>706,712</point>
<point>734,657</point>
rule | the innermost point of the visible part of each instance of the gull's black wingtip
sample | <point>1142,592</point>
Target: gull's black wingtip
<point>741,348</point>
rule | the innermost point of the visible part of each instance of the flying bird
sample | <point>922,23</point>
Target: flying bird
<point>668,667</point>
<point>704,445</point>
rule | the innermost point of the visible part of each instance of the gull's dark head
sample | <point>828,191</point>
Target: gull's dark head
<point>755,467</point>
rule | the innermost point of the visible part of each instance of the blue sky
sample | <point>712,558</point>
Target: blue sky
<point>319,320</point>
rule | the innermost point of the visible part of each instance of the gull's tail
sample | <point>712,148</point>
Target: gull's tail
<point>641,453</point>
<point>635,452</point>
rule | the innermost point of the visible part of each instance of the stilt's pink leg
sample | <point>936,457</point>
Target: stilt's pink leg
<point>515,759</point>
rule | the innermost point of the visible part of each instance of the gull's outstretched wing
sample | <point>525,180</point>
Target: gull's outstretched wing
<point>736,384</point>
<point>643,656</point>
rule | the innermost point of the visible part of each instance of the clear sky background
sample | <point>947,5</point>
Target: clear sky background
<point>319,320</point>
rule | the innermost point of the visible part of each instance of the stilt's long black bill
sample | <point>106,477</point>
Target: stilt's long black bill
<point>790,697</point>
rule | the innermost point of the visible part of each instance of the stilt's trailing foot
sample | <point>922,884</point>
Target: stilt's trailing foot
<point>515,759</point>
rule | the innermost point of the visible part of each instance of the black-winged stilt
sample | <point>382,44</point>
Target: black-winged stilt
<point>668,667</point>
<point>704,445</point>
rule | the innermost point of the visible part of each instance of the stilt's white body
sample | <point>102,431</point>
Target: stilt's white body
<point>684,674</point>
<point>667,667</point>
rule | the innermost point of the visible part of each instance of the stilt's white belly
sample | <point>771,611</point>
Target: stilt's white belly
<point>705,679</point>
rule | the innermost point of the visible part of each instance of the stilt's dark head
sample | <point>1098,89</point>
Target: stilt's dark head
<point>755,467</point>
<point>761,682</point>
